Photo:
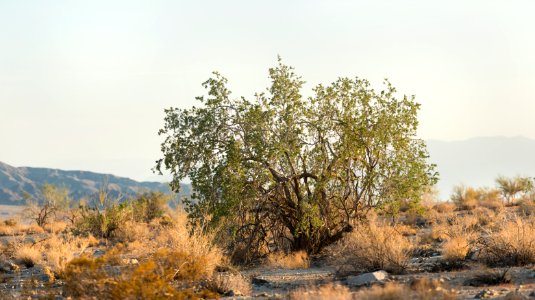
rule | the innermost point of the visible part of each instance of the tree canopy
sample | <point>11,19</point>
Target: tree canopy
<point>288,172</point>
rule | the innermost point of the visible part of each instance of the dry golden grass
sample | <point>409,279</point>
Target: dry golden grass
<point>174,261</point>
<point>371,247</point>
<point>28,255</point>
<point>460,226</point>
<point>456,249</point>
<point>328,291</point>
<point>512,244</point>
<point>444,207</point>
<point>224,283</point>
<point>12,227</point>
<point>55,227</point>
<point>60,249</point>
<point>292,260</point>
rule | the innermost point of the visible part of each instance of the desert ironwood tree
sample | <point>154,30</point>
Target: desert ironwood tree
<point>285,172</point>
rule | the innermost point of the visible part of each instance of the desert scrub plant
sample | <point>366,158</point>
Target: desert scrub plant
<point>28,255</point>
<point>60,249</point>
<point>371,247</point>
<point>149,206</point>
<point>460,226</point>
<point>526,207</point>
<point>455,249</point>
<point>292,260</point>
<point>103,223</point>
<point>513,244</point>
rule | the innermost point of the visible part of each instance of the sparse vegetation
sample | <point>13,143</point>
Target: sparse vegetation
<point>512,244</point>
<point>371,247</point>
<point>293,260</point>
<point>286,173</point>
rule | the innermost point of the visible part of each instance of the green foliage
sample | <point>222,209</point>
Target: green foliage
<point>149,206</point>
<point>103,222</point>
<point>292,171</point>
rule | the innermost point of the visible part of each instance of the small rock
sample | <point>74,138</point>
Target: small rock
<point>485,294</point>
<point>367,278</point>
<point>233,293</point>
<point>258,281</point>
<point>98,253</point>
<point>8,267</point>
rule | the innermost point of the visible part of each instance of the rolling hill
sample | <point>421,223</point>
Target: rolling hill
<point>14,181</point>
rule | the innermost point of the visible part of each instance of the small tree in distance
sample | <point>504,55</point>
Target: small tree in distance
<point>53,199</point>
<point>284,172</point>
<point>511,187</point>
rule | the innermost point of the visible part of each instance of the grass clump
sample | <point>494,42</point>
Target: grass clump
<point>513,244</point>
<point>292,260</point>
<point>371,247</point>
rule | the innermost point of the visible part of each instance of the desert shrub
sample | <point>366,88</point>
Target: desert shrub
<point>60,249</point>
<point>461,226</point>
<point>526,207</point>
<point>55,227</point>
<point>465,198</point>
<point>102,223</point>
<point>7,230</point>
<point>371,247</point>
<point>174,262</point>
<point>489,277</point>
<point>327,291</point>
<point>10,222</point>
<point>485,216</point>
<point>444,207</point>
<point>149,206</point>
<point>292,260</point>
<point>512,244</point>
<point>456,249</point>
<point>28,255</point>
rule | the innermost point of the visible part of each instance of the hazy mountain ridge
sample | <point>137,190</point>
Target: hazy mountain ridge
<point>478,161</point>
<point>14,181</point>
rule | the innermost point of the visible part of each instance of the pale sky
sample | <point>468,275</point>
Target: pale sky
<point>83,84</point>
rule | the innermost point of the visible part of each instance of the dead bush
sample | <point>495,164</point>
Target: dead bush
<point>513,244</point>
<point>292,260</point>
<point>371,247</point>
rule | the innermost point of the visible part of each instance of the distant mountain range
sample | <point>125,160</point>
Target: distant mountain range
<point>15,181</point>
<point>478,161</point>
